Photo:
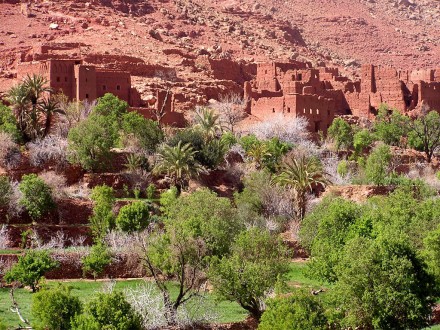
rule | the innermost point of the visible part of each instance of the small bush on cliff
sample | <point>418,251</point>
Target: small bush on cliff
<point>299,311</point>
<point>95,262</point>
<point>133,217</point>
<point>102,219</point>
<point>30,268</point>
<point>108,311</point>
<point>37,196</point>
<point>54,308</point>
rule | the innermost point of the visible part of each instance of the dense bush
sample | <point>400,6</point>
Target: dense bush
<point>133,217</point>
<point>341,132</point>
<point>108,311</point>
<point>30,268</point>
<point>146,131</point>
<point>102,219</point>
<point>257,261</point>
<point>111,107</point>
<point>95,262</point>
<point>362,140</point>
<point>299,311</point>
<point>54,308</point>
<point>390,126</point>
<point>8,123</point>
<point>36,196</point>
<point>5,191</point>
<point>377,166</point>
<point>90,141</point>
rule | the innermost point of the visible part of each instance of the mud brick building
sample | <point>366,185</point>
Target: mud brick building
<point>319,94</point>
<point>79,81</point>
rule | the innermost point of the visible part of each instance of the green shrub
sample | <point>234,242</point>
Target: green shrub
<point>89,142</point>
<point>256,263</point>
<point>133,217</point>
<point>438,175</point>
<point>362,140</point>
<point>37,196</point>
<point>146,131</point>
<point>109,311</point>
<point>95,262</point>
<point>54,308</point>
<point>85,322</point>
<point>342,168</point>
<point>111,106</point>
<point>30,268</point>
<point>341,132</point>
<point>102,219</point>
<point>8,123</point>
<point>376,168</point>
<point>390,125</point>
<point>248,142</point>
<point>299,311</point>
<point>5,191</point>
<point>150,192</point>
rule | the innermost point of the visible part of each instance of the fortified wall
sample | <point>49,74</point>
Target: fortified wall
<point>319,94</point>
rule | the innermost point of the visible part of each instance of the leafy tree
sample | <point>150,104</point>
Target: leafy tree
<point>390,125</point>
<point>54,308</point>
<point>376,168</point>
<point>215,224</point>
<point>361,140</point>
<point>325,231</point>
<point>341,132</point>
<point>424,133</point>
<point>248,142</point>
<point>30,268</point>
<point>167,199</point>
<point>102,219</point>
<point>146,131</point>
<point>299,311</point>
<point>37,196</point>
<point>112,107</point>
<point>91,140</point>
<point>382,284</point>
<point>275,151</point>
<point>95,262</point>
<point>133,217</point>
<point>18,97</point>
<point>342,169</point>
<point>301,174</point>
<point>256,263</point>
<point>8,123</point>
<point>192,234</point>
<point>108,311</point>
<point>178,163</point>
<point>2,325</point>
<point>258,153</point>
<point>431,252</point>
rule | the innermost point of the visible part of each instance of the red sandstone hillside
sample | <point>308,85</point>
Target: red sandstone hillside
<point>171,42</point>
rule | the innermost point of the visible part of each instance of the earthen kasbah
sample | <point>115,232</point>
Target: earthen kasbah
<point>292,89</point>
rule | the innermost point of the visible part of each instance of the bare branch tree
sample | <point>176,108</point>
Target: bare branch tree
<point>231,109</point>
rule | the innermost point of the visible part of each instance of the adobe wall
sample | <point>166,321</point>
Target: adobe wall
<point>430,94</point>
<point>30,68</point>
<point>86,82</point>
<point>61,77</point>
<point>117,83</point>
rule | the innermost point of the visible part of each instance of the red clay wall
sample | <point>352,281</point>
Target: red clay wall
<point>117,83</point>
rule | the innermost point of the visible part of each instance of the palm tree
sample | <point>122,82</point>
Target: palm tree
<point>208,121</point>
<point>18,97</point>
<point>177,162</point>
<point>301,174</point>
<point>36,86</point>
<point>49,106</point>
<point>258,153</point>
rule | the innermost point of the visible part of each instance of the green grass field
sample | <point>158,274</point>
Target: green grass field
<point>85,290</point>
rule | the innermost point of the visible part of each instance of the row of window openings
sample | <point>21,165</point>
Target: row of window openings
<point>104,87</point>
<point>304,111</point>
